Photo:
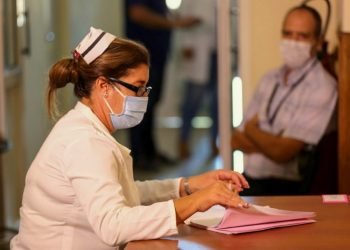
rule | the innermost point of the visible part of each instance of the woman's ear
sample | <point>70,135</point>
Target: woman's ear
<point>102,85</point>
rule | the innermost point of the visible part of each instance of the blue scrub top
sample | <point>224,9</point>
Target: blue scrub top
<point>157,41</point>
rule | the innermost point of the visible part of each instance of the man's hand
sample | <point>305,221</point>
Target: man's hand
<point>276,147</point>
<point>186,22</point>
<point>239,141</point>
<point>252,124</point>
<point>187,53</point>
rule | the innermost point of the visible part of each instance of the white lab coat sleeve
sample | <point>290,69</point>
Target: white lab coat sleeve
<point>91,166</point>
<point>158,190</point>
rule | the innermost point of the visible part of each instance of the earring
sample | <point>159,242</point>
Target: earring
<point>105,95</point>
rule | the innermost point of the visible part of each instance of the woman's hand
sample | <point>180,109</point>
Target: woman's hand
<point>200,182</point>
<point>217,193</point>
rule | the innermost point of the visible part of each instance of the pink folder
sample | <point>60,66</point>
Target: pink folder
<point>254,218</point>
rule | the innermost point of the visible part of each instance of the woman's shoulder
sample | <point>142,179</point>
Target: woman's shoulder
<point>75,128</point>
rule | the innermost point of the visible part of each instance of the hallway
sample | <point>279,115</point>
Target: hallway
<point>199,162</point>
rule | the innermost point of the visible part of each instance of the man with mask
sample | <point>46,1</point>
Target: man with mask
<point>290,111</point>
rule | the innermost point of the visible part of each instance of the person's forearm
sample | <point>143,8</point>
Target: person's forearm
<point>241,142</point>
<point>184,207</point>
<point>275,147</point>
<point>146,17</point>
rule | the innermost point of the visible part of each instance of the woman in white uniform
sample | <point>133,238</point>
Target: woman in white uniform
<point>79,191</point>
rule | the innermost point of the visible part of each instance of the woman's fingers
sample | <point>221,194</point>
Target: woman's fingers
<point>239,202</point>
<point>204,180</point>
<point>225,193</point>
<point>231,196</point>
<point>237,178</point>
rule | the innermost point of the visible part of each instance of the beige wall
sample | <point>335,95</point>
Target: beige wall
<point>259,34</point>
<point>345,11</point>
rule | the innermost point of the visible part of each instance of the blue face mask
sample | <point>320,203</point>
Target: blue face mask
<point>132,113</point>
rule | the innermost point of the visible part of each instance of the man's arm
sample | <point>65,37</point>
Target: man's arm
<point>240,141</point>
<point>146,17</point>
<point>275,147</point>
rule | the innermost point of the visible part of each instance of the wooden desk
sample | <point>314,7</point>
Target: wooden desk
<point>331,231</point>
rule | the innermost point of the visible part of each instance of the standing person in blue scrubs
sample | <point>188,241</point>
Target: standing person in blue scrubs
<point>147,22</point>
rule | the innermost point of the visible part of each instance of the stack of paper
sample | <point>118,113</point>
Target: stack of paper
<point>243,220</point>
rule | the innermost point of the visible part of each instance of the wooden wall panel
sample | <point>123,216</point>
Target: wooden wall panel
<point>344,114</point>
<point>2,112</point>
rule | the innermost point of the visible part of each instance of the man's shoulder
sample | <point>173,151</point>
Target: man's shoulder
<point>320,75</point>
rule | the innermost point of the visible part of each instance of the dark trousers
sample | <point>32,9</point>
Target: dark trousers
<point>142,139</point>
<point>271,186</point>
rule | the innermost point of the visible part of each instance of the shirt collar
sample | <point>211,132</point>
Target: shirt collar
<point>87,112</point>
<point>295,74</point>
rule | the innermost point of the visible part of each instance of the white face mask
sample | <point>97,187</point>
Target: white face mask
<point>132,114</point>
<point>295,54</point>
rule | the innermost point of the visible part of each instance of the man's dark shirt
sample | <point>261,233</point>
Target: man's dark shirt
<point>157,41</point>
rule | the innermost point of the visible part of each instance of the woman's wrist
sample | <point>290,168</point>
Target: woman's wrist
<point>184,208</point>
<point>185,188</point>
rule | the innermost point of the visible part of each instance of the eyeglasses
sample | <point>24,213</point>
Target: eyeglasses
<point>140,91</point>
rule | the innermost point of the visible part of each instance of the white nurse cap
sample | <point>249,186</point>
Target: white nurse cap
<point>93,45</point>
